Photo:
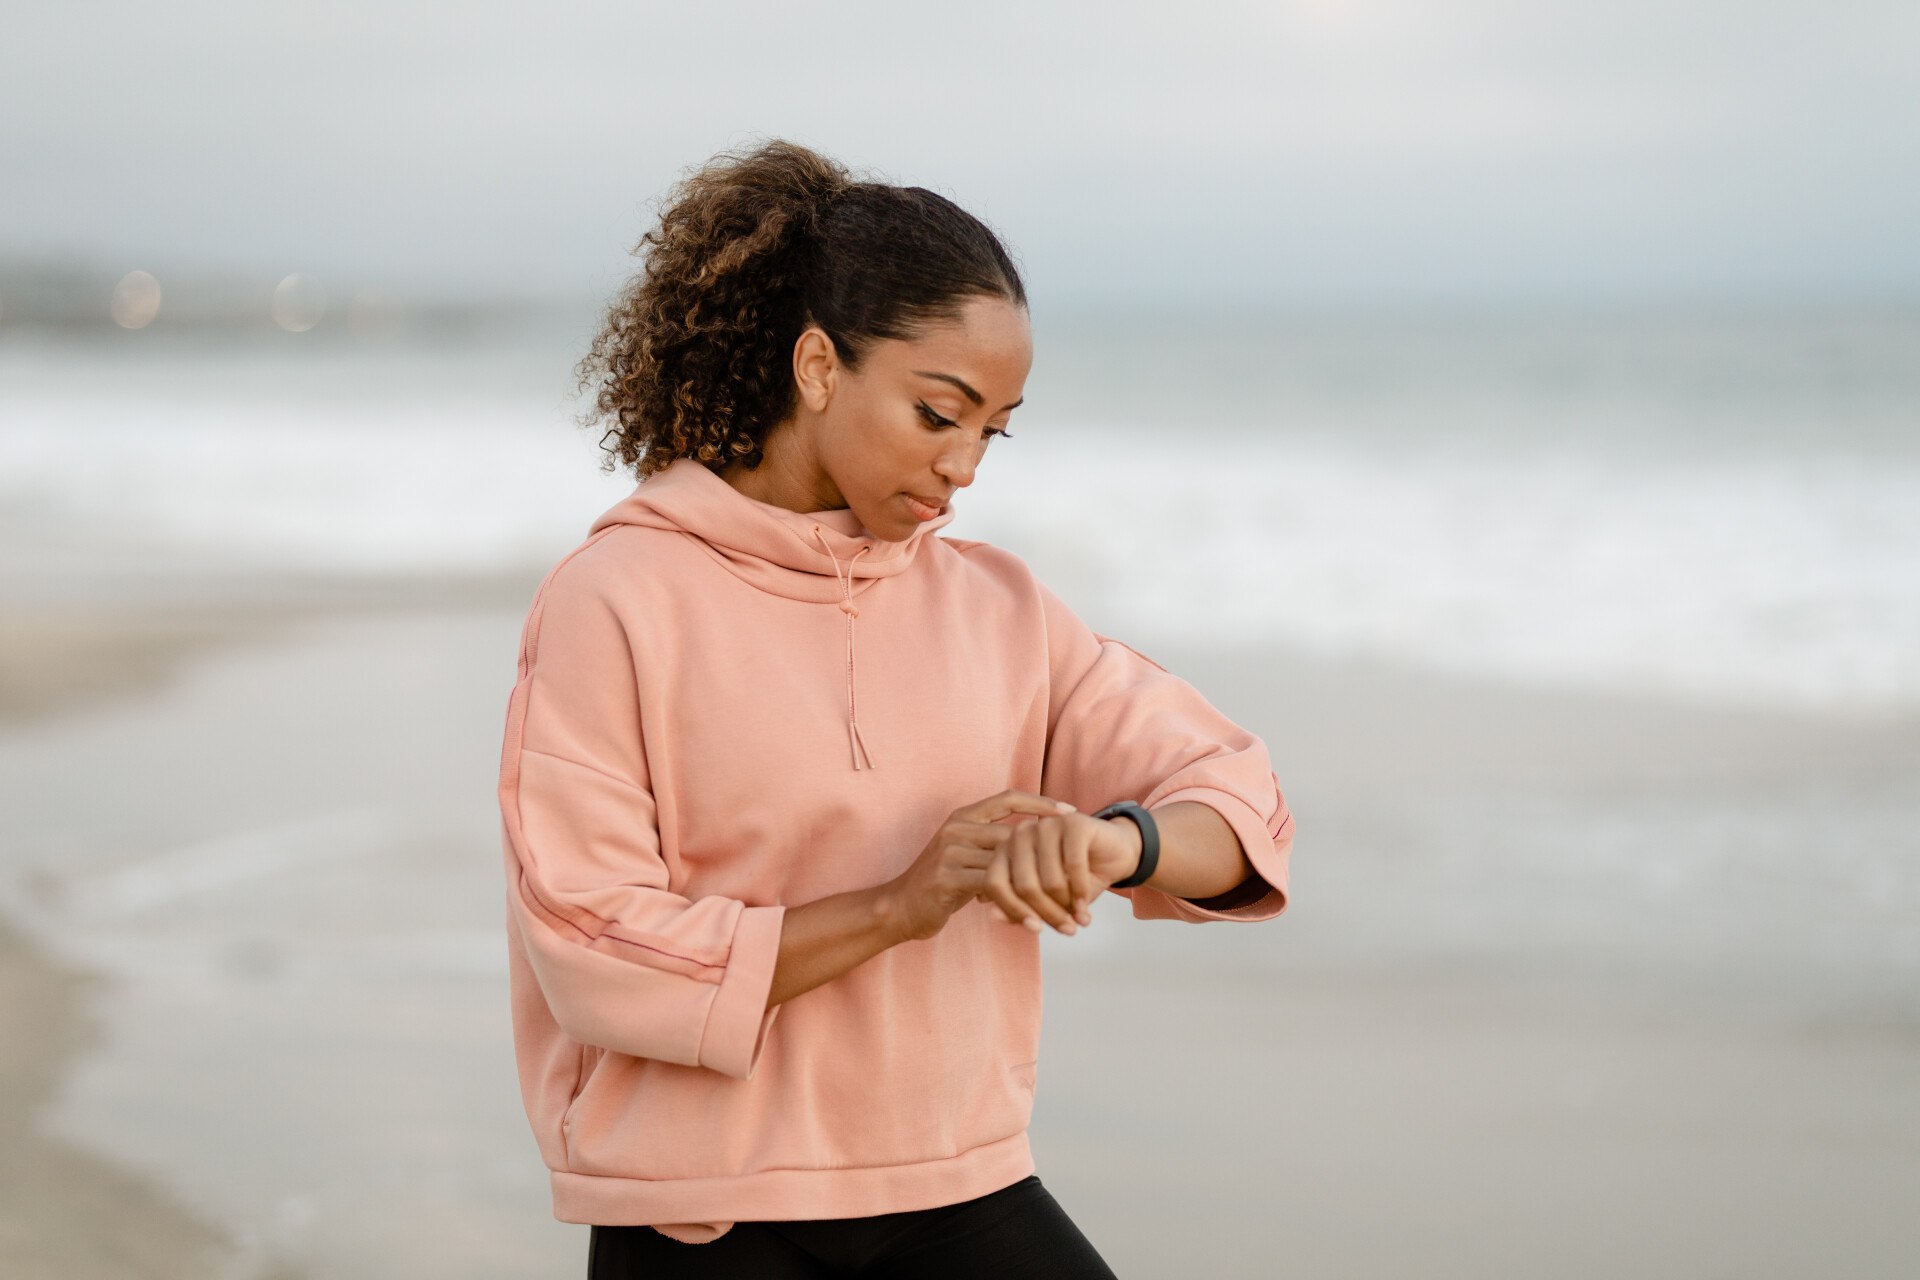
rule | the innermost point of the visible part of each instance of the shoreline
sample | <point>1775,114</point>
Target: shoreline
<point>65,1213</point>
<point>65,652</point>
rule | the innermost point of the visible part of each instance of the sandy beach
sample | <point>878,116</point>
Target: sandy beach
<point>65,1213</point>
<point>225,1056</point>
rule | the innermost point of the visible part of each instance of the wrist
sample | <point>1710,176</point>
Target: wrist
<point>885,909</point>
<point>1136,815</point>
<point>1136,844</point>
<point>893,920</point>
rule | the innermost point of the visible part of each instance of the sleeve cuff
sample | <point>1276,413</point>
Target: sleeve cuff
<point>1266,847</point>
<point>739,1019</point>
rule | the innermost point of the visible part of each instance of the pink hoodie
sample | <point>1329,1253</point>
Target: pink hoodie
<point>693,744</point>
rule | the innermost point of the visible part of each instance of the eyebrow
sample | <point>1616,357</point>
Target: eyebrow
<point>966,390</point>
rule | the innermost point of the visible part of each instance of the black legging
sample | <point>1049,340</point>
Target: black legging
<point>1014,1232</point>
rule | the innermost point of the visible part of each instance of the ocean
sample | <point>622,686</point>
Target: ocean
<point>1719,507</point>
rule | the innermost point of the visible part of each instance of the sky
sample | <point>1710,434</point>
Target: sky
<point>1293,152</point>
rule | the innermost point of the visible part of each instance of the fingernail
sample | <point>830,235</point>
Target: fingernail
<point>1064,806</point>
<point>1033,923</point>
<point>1069,928</point>
<point>1085,918</point>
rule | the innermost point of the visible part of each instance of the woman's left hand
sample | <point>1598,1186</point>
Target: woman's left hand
<point>1051,867</point>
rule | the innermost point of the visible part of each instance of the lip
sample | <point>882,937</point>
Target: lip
<point>922,508</point>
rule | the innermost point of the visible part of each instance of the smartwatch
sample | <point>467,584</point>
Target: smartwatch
<point>1149,840</point>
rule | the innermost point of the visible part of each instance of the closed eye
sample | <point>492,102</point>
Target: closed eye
<point>935,421</point>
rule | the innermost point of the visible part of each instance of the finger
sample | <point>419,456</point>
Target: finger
<point>1023,868</point>
<point>994,808</point>
<point>1074,846</point>
<point>974,879</point>
<point>999,890</point>
<point>988,835</point>
<point>968,855</point>
<point>1050,862</point>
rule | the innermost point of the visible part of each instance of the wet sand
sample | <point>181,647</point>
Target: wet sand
<point>66,1215</point>
<point>301,1057</point>
<point>65,1212</point>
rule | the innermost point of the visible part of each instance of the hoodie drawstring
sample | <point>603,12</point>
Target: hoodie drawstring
<point>852,611</point>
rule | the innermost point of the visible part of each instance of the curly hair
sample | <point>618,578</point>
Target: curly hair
<point>696,356</point>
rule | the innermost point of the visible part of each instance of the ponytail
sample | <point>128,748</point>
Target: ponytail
<point>696,356</point>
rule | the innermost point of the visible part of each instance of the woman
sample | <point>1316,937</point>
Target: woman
<point>774,1009</point>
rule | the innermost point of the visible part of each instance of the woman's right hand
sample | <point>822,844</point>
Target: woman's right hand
<point>952,870</point>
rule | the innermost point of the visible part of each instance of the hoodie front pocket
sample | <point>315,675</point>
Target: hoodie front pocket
<point>590,1056</point>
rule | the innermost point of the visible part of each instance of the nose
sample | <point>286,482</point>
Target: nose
<point>955,465</point>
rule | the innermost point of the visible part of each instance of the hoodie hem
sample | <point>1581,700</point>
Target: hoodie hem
<point>783,1195</point>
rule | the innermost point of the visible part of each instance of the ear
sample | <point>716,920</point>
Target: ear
<point>816,367</point>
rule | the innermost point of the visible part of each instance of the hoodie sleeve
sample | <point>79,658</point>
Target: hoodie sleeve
<point>624,962</point>
<point>1122,727</point>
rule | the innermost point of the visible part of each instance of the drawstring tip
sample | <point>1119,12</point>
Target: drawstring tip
<point>859,747</point>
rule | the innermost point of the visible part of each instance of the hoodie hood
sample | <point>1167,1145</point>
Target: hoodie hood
<point>803,555</point>
<point>824,557</point>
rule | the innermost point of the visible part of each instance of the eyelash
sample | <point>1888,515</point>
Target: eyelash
<point>938,421</point>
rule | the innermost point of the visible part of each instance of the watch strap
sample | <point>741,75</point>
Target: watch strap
<point>1149,840</point>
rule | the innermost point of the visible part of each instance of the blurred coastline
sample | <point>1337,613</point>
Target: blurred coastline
<point>1598,709</point>
<point>64,1212</point>
<point>67,1211</point>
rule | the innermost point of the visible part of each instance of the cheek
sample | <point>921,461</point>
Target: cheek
<point>886,453</point>
<point>872,459</point>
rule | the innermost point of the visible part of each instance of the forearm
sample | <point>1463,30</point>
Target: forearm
<point>1200,856</point>
<point>823,939</point>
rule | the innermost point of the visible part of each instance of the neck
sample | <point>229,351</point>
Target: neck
<point>787,476</point>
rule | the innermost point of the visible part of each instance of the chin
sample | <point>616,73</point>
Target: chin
<point>891,527</point>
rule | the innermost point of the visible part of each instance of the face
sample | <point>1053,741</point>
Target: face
<point>914,422</point>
